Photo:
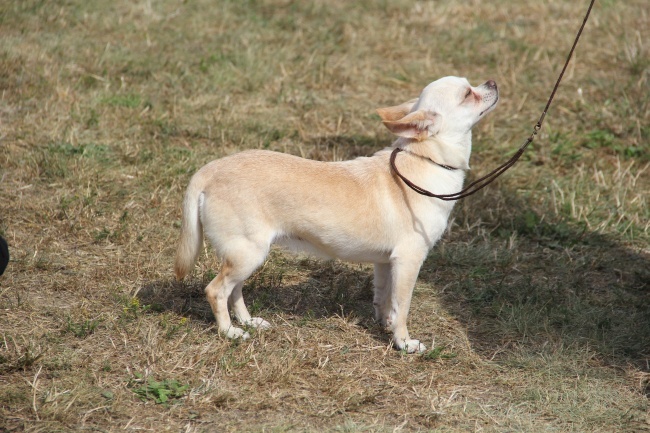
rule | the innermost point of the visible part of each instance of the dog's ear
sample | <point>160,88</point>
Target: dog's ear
<point>419,125</point>
<point>397,112</point>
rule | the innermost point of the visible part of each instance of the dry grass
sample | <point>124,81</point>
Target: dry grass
<point>536,302</point>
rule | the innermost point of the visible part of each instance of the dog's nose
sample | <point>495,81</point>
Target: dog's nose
<point>491,84</point>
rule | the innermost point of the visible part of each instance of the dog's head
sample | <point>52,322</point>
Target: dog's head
<point>447,108</point>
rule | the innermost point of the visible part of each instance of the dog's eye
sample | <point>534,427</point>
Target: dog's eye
<point>469,92</point>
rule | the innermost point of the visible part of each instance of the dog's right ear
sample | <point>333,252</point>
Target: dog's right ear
<point>419,125</point>
<point>391,114</point>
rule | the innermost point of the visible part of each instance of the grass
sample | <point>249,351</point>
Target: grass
<point>149,389</point>
<point>535,305</point>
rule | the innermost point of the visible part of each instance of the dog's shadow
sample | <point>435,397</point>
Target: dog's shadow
<point>315,289</point>
<point>535,281</point>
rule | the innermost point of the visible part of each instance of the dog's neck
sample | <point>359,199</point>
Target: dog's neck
<point>433,148</point>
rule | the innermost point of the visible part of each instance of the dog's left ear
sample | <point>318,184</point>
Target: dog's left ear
<point>419,125</point>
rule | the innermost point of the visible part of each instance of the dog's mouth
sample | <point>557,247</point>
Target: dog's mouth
<point>490,107</point>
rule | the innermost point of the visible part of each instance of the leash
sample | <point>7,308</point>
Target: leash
<point>484,181</point>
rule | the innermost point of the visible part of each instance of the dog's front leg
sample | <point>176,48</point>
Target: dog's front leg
<point>382,286</point>
<point>404,273</point>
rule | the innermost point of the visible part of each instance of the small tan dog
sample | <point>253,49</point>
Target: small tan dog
<point>355,210</point>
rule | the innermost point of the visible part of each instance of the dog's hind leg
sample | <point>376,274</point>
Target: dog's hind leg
<point>238,306</point>
<point>238,264</point>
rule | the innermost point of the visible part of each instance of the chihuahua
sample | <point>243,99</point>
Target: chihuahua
<point>356,210</point>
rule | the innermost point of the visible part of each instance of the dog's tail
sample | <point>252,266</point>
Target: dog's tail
<point>191,230</point>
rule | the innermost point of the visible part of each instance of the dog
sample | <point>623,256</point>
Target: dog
<point>356,210</point>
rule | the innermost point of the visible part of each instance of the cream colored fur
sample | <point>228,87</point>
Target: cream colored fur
<point>355,210</point>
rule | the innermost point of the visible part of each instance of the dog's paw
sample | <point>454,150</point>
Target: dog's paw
<point>258,323</point>
<point>234,333</point>
<point>411,346</point>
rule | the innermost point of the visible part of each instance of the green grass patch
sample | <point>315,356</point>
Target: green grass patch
<point>127,101</point>
<point>438,353</point>
<point>165,392</point>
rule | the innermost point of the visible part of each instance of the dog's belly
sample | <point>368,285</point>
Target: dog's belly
<point>350,252</point>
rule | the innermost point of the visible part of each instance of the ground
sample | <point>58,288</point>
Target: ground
<point>535,304</point>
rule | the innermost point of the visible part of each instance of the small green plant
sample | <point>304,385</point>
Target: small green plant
<point>172,326</point>
<point>134,308</point>
<point>599,138</point>
<point>81,329</point>
<point>437,353</point>
<point>160,392</point>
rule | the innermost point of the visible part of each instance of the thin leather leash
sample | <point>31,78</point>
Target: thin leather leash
<point>484,181</point>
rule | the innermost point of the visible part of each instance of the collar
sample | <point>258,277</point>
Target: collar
<point>446,167</point>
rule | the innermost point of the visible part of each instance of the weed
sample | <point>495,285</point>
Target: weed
<point>164,392</point>
<point>23,359</point>
<point>81,329</point>
<point>438,353</point>
<point>172,326</point>
<point>605,139</point>
<point>133,308</point>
